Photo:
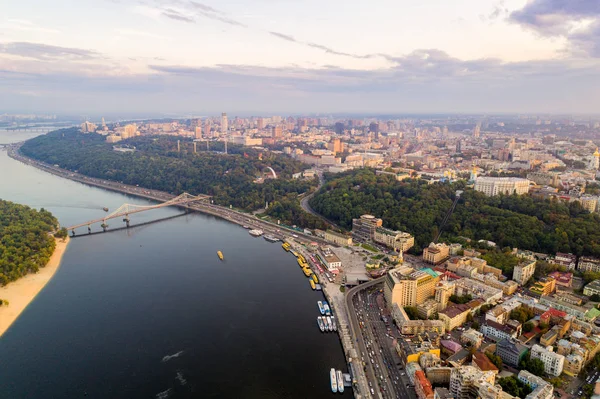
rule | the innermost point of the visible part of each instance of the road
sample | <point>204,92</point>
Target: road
<point>306,206</point>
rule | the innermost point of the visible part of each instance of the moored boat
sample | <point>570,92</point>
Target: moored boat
<point>321,324</point>
<point>270,238</point>
<point>256,233</point>
<point>333,323</point>
<point>312,284</point>
<point>329,324</point>
<point>306,271</point>
<point>340,381</point>
<point>220,255</point>
<point>333,380</point>
<point>327,309</point>
<point>286,246</point>
<point>105,209</point>
<point>315,279</point>
<point>320,305</point>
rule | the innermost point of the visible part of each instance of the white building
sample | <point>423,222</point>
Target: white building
<point>491,186</point>
<point>541,388</point>
<point>553,362</point>
<point>523,272</point>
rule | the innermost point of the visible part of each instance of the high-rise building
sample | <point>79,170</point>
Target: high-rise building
<point>524,271</point>
<point>88,127</point>
<point>277,131</point>
<point>224,123</point>
<point>363,229</point>
<point>468,382</point>
<point>207,128</point>
<point>260,123</point>
<point>443,291</point>
<point>336,146</point>
<point>477,131</point>
<point>409,289</point>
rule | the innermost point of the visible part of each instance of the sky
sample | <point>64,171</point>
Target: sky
<point>300,56</point>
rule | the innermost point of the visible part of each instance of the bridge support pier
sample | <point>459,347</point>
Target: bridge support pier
<point>104,227</point>
<point>89,229</point>
<point>126,220</point>
<point>73,233</point>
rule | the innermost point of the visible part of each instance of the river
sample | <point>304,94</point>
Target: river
<point>150,312</point>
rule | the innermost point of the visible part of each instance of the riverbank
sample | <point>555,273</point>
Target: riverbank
<point>20,293</point>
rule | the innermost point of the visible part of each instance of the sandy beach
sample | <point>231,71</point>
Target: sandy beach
<point>21,292</point>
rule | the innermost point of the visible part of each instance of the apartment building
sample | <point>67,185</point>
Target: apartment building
<point>524,271</point>
<point>553,362</point>
<point>339,239</point>
<point>541,388</point>
<point>363,228</point>
<point>511,351</point>
<point>491,186</point>
<point>397,240</point>
<point>436,253</point>
<point>588,264</point>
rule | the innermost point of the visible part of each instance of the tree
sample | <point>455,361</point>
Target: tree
<point>461,299</point>
<point>528,327</point>
<point>513,386</point>
<point>62,233</point>
<point>475,325</point>
<point>595,298</point>
<point>412,312</point>
<point>497,360</point>
<point>534,366</point>
<point>522,314</point>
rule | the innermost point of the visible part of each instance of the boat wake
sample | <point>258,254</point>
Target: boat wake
<point>169,357</point>
<point>164,394</point>
<point>180,378</point>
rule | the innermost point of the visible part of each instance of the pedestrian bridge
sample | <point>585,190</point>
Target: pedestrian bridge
<point>125,210</point>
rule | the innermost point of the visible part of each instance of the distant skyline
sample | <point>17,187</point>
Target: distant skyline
<point>278,56</point>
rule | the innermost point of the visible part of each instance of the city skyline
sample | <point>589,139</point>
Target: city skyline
<point>399,57</point>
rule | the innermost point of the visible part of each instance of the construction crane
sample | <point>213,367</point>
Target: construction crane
<point>447,217</point>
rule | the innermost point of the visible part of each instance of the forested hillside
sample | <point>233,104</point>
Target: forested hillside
<point>156,164</point>
<point>25,243</point>
<point>418,208</point>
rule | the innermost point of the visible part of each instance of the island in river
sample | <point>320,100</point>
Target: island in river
<point>29,256</point>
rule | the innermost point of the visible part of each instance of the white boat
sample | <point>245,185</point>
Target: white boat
<point>321,324</point>
<point>326,307</point>
<point>329,324</point>
<point>256,233</point>
<point>333,323</point>
<point>333,380</point>
<point>321,308</point>
<point>340,381</point>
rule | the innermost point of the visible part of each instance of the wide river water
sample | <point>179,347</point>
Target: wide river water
<point>151,312</point>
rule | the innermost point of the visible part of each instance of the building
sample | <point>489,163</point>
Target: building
<point>409,289</point>
<point>491,186</point>
<point>436,253</point>
<point>589,264</point>
<point>483,363</point>
<point>468,382</point>
<point>336,146</point>
<point>567,260</point>
<point>439,375</point>
<point>411,351</point>
<point>427,309</point>
<point>541,388</point>
<point>454,316</point>
<point>88,127</point>
<point>544,178</point>
<point>563,279</point>
<point>339,239</point>
<point>524,271</point>
<point>397,240</point>
<point>442,393</point>
<point>511,352</point>
<point>592,288</point>
<point>330,260</point>
<point>467,286</point>
<point>472,337</point>
<point>363,229</point>
<point>277,131</point>
<point>443,291</point>
<point>499,331</point>
<point>423,387</point>
<point>553,362</point>
<point>544,286</point>
<point>412,327</point>
<point>224,123</point>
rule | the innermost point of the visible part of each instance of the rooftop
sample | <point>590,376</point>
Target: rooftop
<point>483,362</point>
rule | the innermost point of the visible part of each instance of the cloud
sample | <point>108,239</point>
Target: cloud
<point>554,16</point>
<point>576,20</point>
<point>284,36</point>
<point>47,52</point>
<point>176,15</point>
<point>25,25</point>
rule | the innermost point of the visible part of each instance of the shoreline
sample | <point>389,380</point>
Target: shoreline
<point>22,292</point>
